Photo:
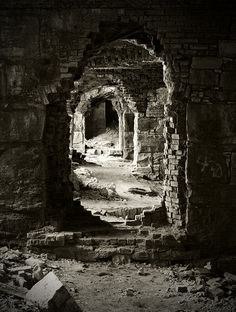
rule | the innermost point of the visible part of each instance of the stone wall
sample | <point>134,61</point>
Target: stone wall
<point>47,42</point>
<point>128,134</point>
<point>59,189</point>
<point>150,139</point>
<point>211,151</point>
<point>95,120</point>
<point>138,88</point>
<point>78,132</point>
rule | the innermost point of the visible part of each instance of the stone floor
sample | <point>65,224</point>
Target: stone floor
<point>118,172</point>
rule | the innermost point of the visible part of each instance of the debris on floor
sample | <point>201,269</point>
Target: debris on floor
<point>27,283</point>
<point>83,178</point>
<point>132,195</point>
<point>104,142</point>
<point>141,191</point>
<point>107,286</point>
<point>49,294</point>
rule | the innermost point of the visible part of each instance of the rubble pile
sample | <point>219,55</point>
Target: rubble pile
<point>83,178</point>
<point>20,269</point>
<point>203,281</point>
<point>27,283</point>
<point>108,139</point>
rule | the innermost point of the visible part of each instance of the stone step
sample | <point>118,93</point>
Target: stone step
<point>127,212</point>
<point>122,242</point>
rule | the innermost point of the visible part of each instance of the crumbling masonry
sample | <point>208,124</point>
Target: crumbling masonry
<point>49,50</point>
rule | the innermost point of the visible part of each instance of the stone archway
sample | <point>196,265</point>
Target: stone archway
<point>85,106</point>
<point>50,50</point>
<point>172,166</point>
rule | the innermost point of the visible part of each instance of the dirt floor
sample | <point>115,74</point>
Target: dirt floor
<point>117,171</point>
<point>106,287</point>
<point>136,287</point>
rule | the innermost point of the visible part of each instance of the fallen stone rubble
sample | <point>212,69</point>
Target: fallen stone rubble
<point>203,281</point>
<point>83,178</point>
<point>27,283</point>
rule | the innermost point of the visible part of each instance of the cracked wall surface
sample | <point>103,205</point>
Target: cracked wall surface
<point>45,45</point>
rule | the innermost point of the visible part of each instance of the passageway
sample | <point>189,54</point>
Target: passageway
<point>132,194</point>
<point>101,128</point>
<point>118,128</point>
<point>118,145</point>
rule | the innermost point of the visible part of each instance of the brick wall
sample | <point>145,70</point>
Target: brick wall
<point>47,43</point>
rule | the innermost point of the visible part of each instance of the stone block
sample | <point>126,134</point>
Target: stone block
<point>69,236</point>
<point>206,62</point>
<point>104,253</point>
<point>50,294</point>
<point>215,292</point>
<point>227,48</point>
<point>85,253</point>
<point>140,256</point>
<point>125,250</point>
<point>121,259</point>
<point>169,241</point>
<point>203,77</point>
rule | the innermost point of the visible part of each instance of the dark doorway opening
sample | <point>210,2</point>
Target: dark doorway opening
<point>111,116</point>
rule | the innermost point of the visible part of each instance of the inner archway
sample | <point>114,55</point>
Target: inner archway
<point>101,126</point>
<point>124,100</point>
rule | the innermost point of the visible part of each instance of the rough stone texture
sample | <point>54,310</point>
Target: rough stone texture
<point>45,44</point>
<point>50,294</point>
<point>22,187</point>
<point>138,89</point>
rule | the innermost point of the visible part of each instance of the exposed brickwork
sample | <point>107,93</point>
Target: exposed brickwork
<point>47,42</point>
<point>145,246</point>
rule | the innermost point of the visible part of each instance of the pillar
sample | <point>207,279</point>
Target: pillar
<point>128,123</point>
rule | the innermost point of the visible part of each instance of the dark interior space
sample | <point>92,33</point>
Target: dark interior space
<point>117,156</point>
<point>111,116</point>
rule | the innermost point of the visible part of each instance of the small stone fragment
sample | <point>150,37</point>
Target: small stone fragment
<point>25,268</point>
<point>12,255</point>
<point>188,274</point>
<point>3,276</point>
<point>37,273</point>
<point>230,277</point>
<point>214,282</point>
<point>196,289</point>
<point>78,268</point>
<point>21,281</point>
<point>34,262</point>
<point>208,266</point>
<point>2,267</point>
<point>3,250</point>
<point>51,256</point>
<point>130,292</point>
<point>121,259</point>
<point>216,292</point>
<point>104,274</point>
<point>141,272</point>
